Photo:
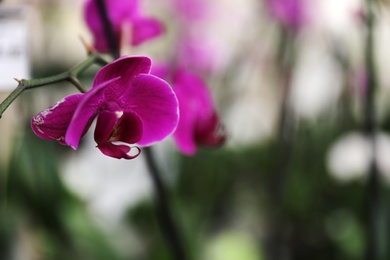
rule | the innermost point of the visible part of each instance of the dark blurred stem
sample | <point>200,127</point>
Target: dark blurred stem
<point>108,29</point>
<point>369,128</point>
<point>285,124</point>
<point>277,241</point>
<point>165,218</point>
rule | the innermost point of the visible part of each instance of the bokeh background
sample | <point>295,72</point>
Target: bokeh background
<point>291,180</point>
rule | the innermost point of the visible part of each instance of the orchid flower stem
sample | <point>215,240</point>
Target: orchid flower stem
<point>164,213</point>
<point>70,75</point>
<point>165,217</point>
<point>373,188</point>
<point>276,242</point>
<point>75,81</point>
<point>111,37</point>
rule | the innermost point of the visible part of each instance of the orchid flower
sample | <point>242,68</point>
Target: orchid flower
<point>191,10</point>
<point>131,107</point>
<point>199,123</point>
<point>199,53</point>
<point>291,13</point>
<point>122,14</point>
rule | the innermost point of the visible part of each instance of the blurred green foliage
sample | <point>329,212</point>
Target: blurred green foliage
<point>318,217</point>
<point>39,208</point>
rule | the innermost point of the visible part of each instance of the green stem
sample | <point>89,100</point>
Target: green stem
<point>276,245</point>
<point>70,75</point>
<point>14,94</point>
<point>373,201</point>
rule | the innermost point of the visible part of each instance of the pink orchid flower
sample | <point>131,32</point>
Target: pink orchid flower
<point>131,106</point>
<point>191,10</point>
<point>199,53</point>
<point>291,13</point>
<point>122,14</point>
<point>199,123</point>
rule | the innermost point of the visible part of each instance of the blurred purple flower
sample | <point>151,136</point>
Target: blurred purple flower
<point>197,48</point>
<point>191,10</point>
<point>360,82</point>
<point>291,13</point>
<point>121,13</point>
<point>199,54</point>
<point>131,106</point>
<point>199,123</point>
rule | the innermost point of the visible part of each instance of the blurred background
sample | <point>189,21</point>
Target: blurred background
<point>289,84</point>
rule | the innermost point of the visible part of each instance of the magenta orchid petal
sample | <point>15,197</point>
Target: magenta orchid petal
<point>291,13</point>
<point>120,10</point>
<point>88,108</point>
<point>105,124</point>
<point>192,10</point>
<point>194,92</point>
<point>185,131</point>
<point>122,14</point>
<point>126,67</point>
<point>52,123</point>
<point>129,128</point>
<point>199,123</point>
<point>154,101</point>
<point>112,126</point>
<point>210,132</point>
<point>199,53</point>
<point>118,151</point>
<point>145,28</point>
<point>94,22</point>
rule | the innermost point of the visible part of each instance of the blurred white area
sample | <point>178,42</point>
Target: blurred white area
<point>337,17</point>
<point>335,26</point>
<point>54,30</point>
<point>110,186</point>
<point>14,51</point>
<point>251,116</point>
<point>317,80</point>
<point>350,156</point>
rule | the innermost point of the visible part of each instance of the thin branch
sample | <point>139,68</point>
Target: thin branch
<point>108,29</point>
<point>164,212</point>
<point>165,218</point>
<point>75,81</point>
<point>276,243</point>
<point>373,188</point>
<point>70,75</point>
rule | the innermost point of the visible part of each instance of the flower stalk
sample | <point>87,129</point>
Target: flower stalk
<point>112,39</point>
<point>164,212</point>
<point>71,75</point>
<point>165,217</point>
<point>369,128</point>
<point>276,244</point>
